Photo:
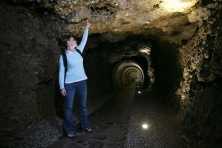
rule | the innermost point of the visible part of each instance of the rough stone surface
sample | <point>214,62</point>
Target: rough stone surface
<point>200,90</point>
<point>165,19</point>
<point>26,57</point>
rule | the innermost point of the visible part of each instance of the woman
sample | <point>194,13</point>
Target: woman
<point>74,84</point>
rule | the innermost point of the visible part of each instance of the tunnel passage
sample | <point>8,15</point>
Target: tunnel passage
<point>131,64</point>
<point>127,72</point>
<point>29,58</point>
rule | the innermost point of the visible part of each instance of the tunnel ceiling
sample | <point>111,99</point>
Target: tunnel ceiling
<point>172,20</point>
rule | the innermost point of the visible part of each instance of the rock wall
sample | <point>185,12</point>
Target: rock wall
<point>29,58</point>
<point>200,90</point>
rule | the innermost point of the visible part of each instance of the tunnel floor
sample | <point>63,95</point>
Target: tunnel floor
<point>163,130</point>
<point>118,123</point>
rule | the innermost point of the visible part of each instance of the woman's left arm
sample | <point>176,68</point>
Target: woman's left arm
<point>85,37</point>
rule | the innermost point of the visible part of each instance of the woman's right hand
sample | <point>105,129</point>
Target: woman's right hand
<point>63,92</point>
<point>88,24</point>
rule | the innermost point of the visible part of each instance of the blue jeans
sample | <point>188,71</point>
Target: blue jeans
<point>80,89</point>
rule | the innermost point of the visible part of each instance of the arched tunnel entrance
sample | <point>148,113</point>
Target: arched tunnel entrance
<point>127,72</point>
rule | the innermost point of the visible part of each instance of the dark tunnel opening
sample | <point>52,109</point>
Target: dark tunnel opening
<point>162,62</point>
<point>109,54</point>
<point>143,63</point>
<point>167,71</point>
<point>130,62</point>
<point>127,72</point>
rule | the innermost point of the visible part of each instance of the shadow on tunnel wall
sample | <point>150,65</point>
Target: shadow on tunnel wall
<point>166,70</point>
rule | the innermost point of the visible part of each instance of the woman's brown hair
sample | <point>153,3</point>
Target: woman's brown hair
<point>64,42</point>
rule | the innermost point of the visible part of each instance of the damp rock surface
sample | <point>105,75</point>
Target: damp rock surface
<point>200,88</point>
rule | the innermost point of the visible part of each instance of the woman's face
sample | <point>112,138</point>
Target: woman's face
<point>72,43</point>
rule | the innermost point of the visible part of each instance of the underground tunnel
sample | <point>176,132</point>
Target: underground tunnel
<point>150,63</point>
<point>127,72</point>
